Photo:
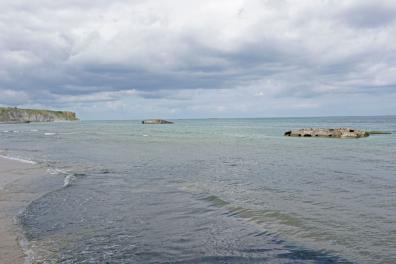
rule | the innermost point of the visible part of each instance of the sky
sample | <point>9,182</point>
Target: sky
<point>131,59</point>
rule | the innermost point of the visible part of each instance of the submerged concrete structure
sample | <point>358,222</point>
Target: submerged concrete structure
<point>156,122</point>
<point>328,133</point>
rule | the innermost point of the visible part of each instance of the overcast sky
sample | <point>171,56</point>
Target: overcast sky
<point>126,59</point>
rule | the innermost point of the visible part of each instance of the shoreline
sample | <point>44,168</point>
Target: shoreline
<point>18,188</point>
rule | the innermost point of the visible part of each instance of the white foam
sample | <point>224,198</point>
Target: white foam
<point>69,177</point>
<point>56,171</point>
<point>18,159</point>
<point>25,245</point>
<point>68,180</point>
<point>49,134</point>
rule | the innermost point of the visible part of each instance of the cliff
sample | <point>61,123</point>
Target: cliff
<point>16,115</point>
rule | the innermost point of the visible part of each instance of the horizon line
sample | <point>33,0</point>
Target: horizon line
<point>272,117</point>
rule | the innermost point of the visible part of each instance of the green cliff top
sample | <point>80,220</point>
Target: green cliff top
<point>13,114</point>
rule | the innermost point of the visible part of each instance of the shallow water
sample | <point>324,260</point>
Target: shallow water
<point>211,191</point>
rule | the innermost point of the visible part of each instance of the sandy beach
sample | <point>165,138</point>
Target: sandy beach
<point>16,192</point>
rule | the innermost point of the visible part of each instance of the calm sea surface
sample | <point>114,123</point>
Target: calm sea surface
<point>209,191</point>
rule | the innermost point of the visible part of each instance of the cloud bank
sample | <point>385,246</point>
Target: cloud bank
<point>135,58</point>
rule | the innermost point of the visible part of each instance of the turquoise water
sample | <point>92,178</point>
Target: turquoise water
<point>210,191</point>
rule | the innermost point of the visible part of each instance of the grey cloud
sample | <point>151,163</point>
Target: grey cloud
<point>370,15</point>
<point>53,52</point>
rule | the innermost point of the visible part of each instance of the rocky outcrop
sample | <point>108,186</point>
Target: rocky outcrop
<point>17,115</point>
<point>327,132</point>
<point>156,122</point>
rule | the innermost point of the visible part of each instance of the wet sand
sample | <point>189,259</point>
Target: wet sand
<point>16,192</point>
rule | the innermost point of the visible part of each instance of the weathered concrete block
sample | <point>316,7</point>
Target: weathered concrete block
<point>156,122</point>
<point>327,132</point>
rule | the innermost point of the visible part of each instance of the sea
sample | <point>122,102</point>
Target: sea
<point>208,191</point>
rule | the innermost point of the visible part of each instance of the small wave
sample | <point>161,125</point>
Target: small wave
<point>68,180</point>
<point>216,201</point>
<point>49,134</point>
<point>18,159</point>
<point>56,171</point>
<point>69,177</point>
<point>104,171</point>
<point>264,218</point>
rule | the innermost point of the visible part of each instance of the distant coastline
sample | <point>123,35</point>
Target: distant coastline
<point>17,115</point>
